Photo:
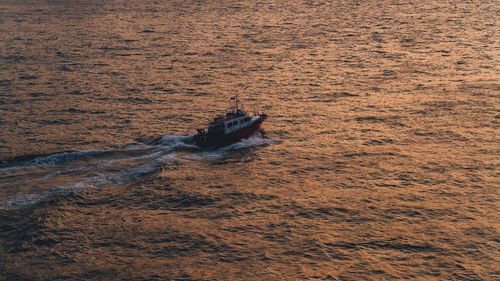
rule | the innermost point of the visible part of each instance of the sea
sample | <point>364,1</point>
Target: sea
<point>379,159</point>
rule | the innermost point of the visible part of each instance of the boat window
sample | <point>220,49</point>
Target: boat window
<point>229,125</point>
<point>247,119</point>
<point>235,122</point>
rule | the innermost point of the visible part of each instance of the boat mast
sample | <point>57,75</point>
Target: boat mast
<point>236,102</point>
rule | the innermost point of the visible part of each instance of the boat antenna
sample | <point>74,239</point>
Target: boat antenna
<point>236,102</point>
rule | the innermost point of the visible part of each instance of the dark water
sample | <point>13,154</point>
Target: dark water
<point>379,161</point>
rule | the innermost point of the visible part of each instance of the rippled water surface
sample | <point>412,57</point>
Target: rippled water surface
<point>379,160</point>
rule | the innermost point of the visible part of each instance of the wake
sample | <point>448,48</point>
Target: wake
<point>31,181</point>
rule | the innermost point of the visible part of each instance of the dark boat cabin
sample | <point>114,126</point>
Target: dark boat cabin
<point>217,129</point>
<point>230,122</point>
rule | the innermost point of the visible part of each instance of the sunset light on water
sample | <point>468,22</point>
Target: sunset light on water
<point>378,161</point>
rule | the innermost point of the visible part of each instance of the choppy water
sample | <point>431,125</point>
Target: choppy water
<point>379,162</point>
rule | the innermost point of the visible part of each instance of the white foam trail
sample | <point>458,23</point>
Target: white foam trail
<point>143,160</point>
<point>116,167</point>
<point>122,177</point>
<point>172,139</point>
<point>65,170</point>
<point>22,200</point>
<point>51,159</point>
<point>65,157</point>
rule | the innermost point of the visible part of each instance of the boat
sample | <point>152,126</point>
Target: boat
<point>229,128</point>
